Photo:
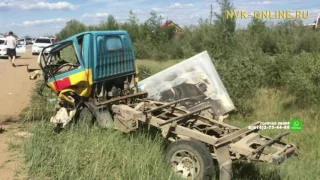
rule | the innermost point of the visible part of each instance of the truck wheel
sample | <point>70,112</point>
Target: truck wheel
<point>190,159</point>
<point>104,119</point>
<point>85,117</point>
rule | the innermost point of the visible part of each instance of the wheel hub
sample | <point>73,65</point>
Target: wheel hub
<point>185,164</point>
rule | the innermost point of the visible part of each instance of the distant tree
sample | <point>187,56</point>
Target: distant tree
<point>132,26</point>
<point>223,23</point>
<point>133,20</point>
<point>72,27</point>
<point>153,21</point>
<point>112,23</point>
<point>257,26</point>
<point>92,28</point>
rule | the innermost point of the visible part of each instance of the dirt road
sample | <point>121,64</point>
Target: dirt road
<point>14,97</point>
<point>15,85</point>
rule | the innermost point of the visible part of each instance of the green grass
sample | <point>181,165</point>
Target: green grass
<point>273,106</point>
<point>89,153</point>
<point>156,66</point>
<point>92,153</point>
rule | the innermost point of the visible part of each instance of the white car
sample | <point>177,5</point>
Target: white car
<point>20,49</point>
<point>41,43</point>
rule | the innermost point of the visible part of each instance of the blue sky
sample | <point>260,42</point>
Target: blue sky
<point>41,17</point>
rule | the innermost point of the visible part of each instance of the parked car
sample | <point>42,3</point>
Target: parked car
<point>28,41</point>
<point>20,49</point>
<point>22,41</point>
<point>41,43</point>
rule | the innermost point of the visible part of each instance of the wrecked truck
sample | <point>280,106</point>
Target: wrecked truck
<point>95,75</point>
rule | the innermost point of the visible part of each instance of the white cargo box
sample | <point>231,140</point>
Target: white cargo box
<point>194,77</point>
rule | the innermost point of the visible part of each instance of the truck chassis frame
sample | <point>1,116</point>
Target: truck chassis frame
<point>224,142</point>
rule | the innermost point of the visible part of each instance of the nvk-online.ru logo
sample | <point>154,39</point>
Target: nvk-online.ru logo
<point>286,14</point>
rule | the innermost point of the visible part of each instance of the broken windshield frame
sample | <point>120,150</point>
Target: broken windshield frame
<point>52,62</point>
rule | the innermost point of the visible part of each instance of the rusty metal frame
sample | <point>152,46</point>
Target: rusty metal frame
<point>229,144</point>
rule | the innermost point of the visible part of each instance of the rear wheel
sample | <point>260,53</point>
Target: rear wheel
<point>190,159</point>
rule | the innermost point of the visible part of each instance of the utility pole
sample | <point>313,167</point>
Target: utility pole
<point>211,13</point>
<point>160,19</point>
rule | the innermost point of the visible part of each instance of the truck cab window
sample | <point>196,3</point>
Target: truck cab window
<point>65,59</point>
<point>113,44</point>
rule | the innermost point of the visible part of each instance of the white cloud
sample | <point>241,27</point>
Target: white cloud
<point>96,18</point>
<point>264,2</point>
<point>139,12</point>
<point>46,21</point>
<point>99,1</point>
<point>51,6</point>
<point>160,9</point>
<point>174,6</point>
<point>259,3</point>
<point>181,6</point>
<point>36,5</point>
<point>97,15</point>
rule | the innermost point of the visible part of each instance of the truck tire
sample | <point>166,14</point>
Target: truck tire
<point>85,117</point>
<point>104,119</point>
<point>190,159</point>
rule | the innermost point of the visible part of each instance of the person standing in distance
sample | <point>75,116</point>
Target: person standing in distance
<point>11,48</point>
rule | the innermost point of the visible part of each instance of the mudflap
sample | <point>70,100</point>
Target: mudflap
<point>225,162</point>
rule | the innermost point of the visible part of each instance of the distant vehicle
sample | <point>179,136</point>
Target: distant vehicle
<point>28,41</point>
<point>41,43</point>
<point>20,49</point>
<point>22,41</point>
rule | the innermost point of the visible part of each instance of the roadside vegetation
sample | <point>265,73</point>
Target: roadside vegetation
<point>271,72</point>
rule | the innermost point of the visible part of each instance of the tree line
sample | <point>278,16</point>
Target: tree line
<point>283,55</point>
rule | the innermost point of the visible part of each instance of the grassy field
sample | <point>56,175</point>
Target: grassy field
<point>92,153</point>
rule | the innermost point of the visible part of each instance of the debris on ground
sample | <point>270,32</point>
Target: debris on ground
<point>2,130</point>
<point>24,134</point>
<point>52,99</point>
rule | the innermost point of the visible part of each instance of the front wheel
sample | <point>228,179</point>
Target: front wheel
<point>85,117</point>
<point>190,159</point>
<point>104,119</point>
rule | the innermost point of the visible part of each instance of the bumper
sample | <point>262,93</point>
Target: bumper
<point>38,50</point>
<point>3,54</point>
